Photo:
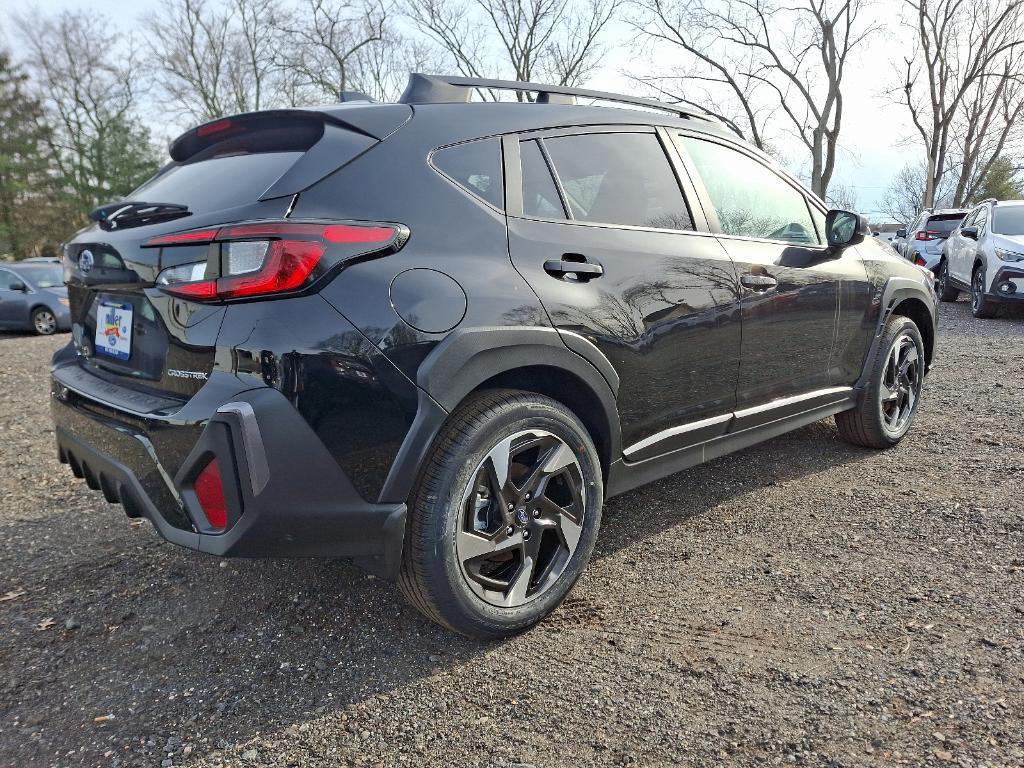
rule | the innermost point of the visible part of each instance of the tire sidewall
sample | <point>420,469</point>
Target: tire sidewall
<point>895,331</point>
<point>443,515</point>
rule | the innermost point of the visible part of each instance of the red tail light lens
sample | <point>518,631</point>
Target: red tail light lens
<point>210,492</point>
<point>920,262</point>
<point>266,258</point>
<point>926,234</point>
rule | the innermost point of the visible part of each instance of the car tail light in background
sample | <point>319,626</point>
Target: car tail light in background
<point>920,262</point>
<point>927,234</point>
<point>271,257</point>
<point>210,493</point>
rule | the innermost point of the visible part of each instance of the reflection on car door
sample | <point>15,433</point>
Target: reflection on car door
<point>795,341</point>
<point>13,304</point>
<point>658,297</point>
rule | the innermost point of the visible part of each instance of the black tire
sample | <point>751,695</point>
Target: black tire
<point>982,306</point>
<point>433,576</point>
<point>44,323</point>
<point>946,290</point>
<point>868,424</point>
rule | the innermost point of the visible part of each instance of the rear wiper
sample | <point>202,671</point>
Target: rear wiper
<point>134,214</point>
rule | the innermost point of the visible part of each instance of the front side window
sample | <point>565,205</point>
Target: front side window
<point>619,178</point>
<point>982,221</point>
<point>749,198</point>
<point>7,279</point>
<point>476,167</point>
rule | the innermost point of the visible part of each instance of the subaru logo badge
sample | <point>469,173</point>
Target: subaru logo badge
<point>85,261</point>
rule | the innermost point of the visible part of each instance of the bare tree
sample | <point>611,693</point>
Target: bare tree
<point>988,122</point>
<point>556,40</point>
<point>768,58</point>
<point>958,45</point>
<point>218,59</point>
<point>905,197</point>
<point>86,75</point>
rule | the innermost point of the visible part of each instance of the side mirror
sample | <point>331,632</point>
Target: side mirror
<point>18,286</point>
<point>845,228</point>
<point>971,232</point>
<point>901,233</point>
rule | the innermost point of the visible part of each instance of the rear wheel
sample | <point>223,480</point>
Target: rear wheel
<point>946,290</point>
<point>888,403</point>
<point>981,305</point>
<point>504,515</point>
<point>43,322</point>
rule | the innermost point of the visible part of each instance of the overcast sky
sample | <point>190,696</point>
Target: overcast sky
<point>874,137</point>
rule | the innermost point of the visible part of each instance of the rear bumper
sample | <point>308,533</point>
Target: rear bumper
<point>286,495</point>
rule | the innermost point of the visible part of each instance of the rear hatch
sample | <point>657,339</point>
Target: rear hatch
<point>127,329</point>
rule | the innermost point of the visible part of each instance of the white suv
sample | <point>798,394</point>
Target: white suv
<point>985,256</point>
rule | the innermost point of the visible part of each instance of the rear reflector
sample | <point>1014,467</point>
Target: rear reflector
<point>210,492</point>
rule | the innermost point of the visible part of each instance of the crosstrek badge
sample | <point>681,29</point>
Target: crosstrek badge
<point>114,330</point>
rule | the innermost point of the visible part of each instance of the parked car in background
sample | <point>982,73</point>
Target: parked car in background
<point>434,336</point>
<point>33,298</point>
<point>899,240</point>
<point>926,238</point>
<point>985,256</point>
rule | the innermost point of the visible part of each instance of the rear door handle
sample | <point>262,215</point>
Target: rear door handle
<point>758,282</point>
<point>583,270</point>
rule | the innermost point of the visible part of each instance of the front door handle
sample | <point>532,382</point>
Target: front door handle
<point>582,270</point>
<point>758,282</point>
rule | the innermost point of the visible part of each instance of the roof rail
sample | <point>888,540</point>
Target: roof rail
<point>449,89</point>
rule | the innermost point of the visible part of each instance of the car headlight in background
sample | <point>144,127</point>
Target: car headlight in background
<point>65,302</point>
<point>1009,255</point>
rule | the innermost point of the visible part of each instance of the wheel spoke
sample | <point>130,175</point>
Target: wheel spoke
<point>571,532</point>
<point>549,447</point>
<point>888,393</point>
<point>498,462</point>
<point>517,591</point>
<point>472,545</point>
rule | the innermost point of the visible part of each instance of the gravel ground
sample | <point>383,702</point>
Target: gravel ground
<point>801,602</point>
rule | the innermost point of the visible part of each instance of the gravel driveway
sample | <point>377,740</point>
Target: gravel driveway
<point>802,602</point>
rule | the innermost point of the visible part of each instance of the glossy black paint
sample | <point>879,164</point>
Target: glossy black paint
<point>364,368</point>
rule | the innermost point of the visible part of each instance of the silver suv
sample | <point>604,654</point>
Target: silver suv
<point>985,256</point>
<point>924,240</point>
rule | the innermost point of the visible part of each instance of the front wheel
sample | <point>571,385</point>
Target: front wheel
<point>981,305</point>
<point>946,290</point>
<point>504,515</point>
<point>887,405</point>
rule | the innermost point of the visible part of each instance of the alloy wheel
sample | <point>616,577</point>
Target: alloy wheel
<point>901,384</point>
<point>521,518</point>
<point>44,321</point>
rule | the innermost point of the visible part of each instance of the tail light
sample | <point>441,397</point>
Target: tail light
<point>927,234</point>
<point>210,493</point>
<point>269,258</point>
<point>920,262</point>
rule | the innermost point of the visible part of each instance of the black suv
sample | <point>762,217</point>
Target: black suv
<point>433,336</point>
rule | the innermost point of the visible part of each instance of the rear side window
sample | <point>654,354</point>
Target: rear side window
<point>540,196</point>
<point>476,167</point>
<point>618,178</point>
<point>749,198</point>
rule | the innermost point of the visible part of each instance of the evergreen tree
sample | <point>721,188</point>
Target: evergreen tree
<point>1001,182</point>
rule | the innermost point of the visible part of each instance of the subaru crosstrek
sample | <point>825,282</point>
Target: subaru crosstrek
<point>434,336</point>
<point>985,257</point>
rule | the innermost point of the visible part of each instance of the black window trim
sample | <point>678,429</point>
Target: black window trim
<point>705,199</point>
<point>466,190</point>
<point>514,177</point>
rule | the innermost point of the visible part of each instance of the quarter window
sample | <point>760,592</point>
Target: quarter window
<point>749,198</point>
<point>476,167</point>
<point>618,178</point>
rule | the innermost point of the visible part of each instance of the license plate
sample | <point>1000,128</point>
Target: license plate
<point>114,329</point>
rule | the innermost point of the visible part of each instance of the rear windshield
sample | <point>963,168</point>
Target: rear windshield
<point>223,182</point>
<point>945,224</point>
<point>44,277</point>
<point>1008,221</point>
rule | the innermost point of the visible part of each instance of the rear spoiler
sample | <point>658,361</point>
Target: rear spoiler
<point>293,128</point>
